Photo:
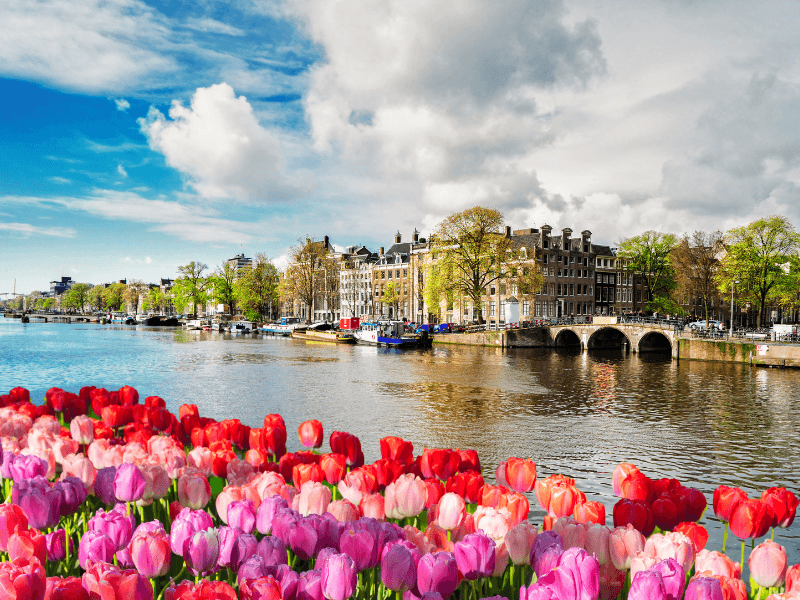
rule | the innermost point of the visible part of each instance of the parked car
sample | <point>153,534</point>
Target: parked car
<point>712,324</point>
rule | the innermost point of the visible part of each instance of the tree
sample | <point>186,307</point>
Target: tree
<point>221,284</point>
<point>392,295</point>
<point>191,287</point>
<point>759,256</point>
<point>77,296</point>
<point>96,299</point>
<point>649,257</point>
<point>155,299</point>
<point>329,281</point>
<point>113,296</point>
<point>696,262</point>
<point>306,262</point>
<point>468,252</point>
<point>133,293</point>
<point>257,290</point>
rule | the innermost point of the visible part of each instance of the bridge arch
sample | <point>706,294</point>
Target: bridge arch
<point>655,341</point>
<point>609,337</point>
<point>566,338</point>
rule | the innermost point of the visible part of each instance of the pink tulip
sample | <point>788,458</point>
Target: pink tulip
<point>500,475</point>
<point>201,458</point>
<point>151,553</point>
<point>623,543</point>
<point>201,551</point>
<point>793,578</point>
<point>406,497</point>
<point>338,577</point>
<point>157,483</point>
<point>373,506</point>
<point>194,491</point>
<point>597,541</point>
<point>242,514</point>
<point>314,498</point>
<point>716,563</point>
<point>451,511</point>
<point>344,510</point>
<point>641,561</point>
<point>239,472</point>
<point>77,465</point>
<point>768,564</point>
<point>671,545</point>
<point>519,541</point>
<point>494,523</point>
<point>129,483</point>
<point>611,581</point>
<point>572,532</point>
<point>229,494</point>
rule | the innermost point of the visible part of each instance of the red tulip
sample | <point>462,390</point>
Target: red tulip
<point>441,464</point>
<point>387,471</point>
<point>783,503</point>
<point>725,500</point>
<point>22,579</point>
<point>115,416</point>
<point>435,490</point>
<point>310,434</point>
<point>159,418</point>
<point>665,513</point>
<point>188,410</point>
<point>520,474</point>
<point>692,503</point>
<point>273,440</point>
<point>68,588</point>
<point>397,449</point>
<point>333,466</point>
<point>349,445</point>
<point>636,513</point>
<point>469,460</point>
<point>590,512</point>
<point>19,394</point>
<point>128,395</point>
<point>492,495</point>
<point>11,518</point>
<point>274,421</point>
<point>468,485</point>
<point>302,473</point>
<point>637,486</point>
<point>155,402</point>
<point>28,544</point>
<point>751,518</point>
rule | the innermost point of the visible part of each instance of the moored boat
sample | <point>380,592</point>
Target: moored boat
<point>387,333</point>
<point>323,332</point>
<point>284,327</point>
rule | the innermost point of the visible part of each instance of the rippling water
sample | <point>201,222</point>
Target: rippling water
<point>574,413</point>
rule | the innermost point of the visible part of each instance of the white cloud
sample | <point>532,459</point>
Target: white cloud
<point>62,180</point>
<point>122,104</point>
<point>222,149</point>
<point>28,230</point>
<point>93,45</point>
<point>121,171</point>
<point>212,26</point>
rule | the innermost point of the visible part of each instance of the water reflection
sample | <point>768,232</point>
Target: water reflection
<point>578,413</point>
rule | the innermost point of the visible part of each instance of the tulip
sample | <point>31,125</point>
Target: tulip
<point>671,545</point>
<point>272,550</point>
<point>22,578</point>
<point>545,552</point>
<point>23,467</point>
<point>597,541</point>
<point>338,577</point>
<point>582,571</point>
<point>397,449</point>
<point>725,500</point>
<point>28,544</point>
<point>201,551</point>
<point>519,542</point>
<point>104,485</point>
<point>96,547</point>
<point>520,474</point>
<point>697,533</point>
<point>692,503</point>
<point>194,491</point>
<point>642,562</point>
<point>56,544</point>
<point>665,513</point>
<point>620,473</point>
<point>636,513</point>
<point>494,523</point>
<point>704,588</point>
<point>406,497</point>
<point>751,518</point>
<point>572,533</point>
<point>467,484</point>
<point>452,511</point>
<point>590,512</point>
<point>783,503</point>
<point>81,429</point>
<point>267,511</point>
<point>349,446</point>
<point>623,544</point>
<point>263,588</point>
<point>475,556</point>
<point>116,524</point>
<point>716,563</point>
<point>611,581</point>
<point>373,506</point>
<point>129,483</point>
<point>361,545</point>
<point>673,576</point>
<point>768,564</point>
<point>438,573</point>
<point>42,506</point>
<point>647,585</point>
<point>68,588</point>
<point>344,511</point>
<point>398,569</point>
<point>11,518</point>
<point>236,548</point>
<point>439,464</point>
<point>309,586</point>
<point>242,514</point>
<point>793,578</point>
<point>334,467</point>
<point>310,434</point>
<point>150,553</point>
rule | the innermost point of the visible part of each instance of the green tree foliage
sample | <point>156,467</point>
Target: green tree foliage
<point>257,290</point>
<point>113,296</point>
<point>760,256</point>
<point>696,263</point>
<point>154,300</point>
<point>134,293</point>
<point>469,252</point>
<point>306,259</point>
<point>649,257</point>
<point>76,297</point>
<point>191,287</point>
<point>96,299</point>
<point>221,286</point>
<point>392,295</point>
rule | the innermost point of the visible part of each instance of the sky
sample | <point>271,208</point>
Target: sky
<point>140,135</point>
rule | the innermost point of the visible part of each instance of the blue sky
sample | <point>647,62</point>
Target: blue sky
<point>137,136</point>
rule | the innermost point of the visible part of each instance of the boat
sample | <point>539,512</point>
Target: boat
<point>147,319</point>
<point>194,324</point>
<point>242,327</point>
<point>323,332</point>
<point>121,318</point>
<point>387,333</point>
<point>284,327</point>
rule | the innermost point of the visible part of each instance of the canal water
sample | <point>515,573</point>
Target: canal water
<point>574,413</point>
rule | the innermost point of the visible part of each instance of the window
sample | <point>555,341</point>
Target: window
<point>552,289</point>
<point>545,259</point>
<point>599,262</point>
<point>546,243</point>
<point>619,295</point>
<point>572,260</point>
<point>585,260</point>
<point>571,289</point>
<point>502,289</point>
<point>559,272</point>
<point>526,308</point>
<point>538,309</point>
<point>492,309</point>
<point>572,272</point>
<point>552,271</point>
<point>492,291</point>
<point>397,274</point>
<point>390,274</point>
<point>559,289</point>
<point>590,291</point>
<point>559,258</point>
<point>405,272</point>
<point>571,308</point>
<point>383,274</point>
<point>611,278</point>
<point>580,273</point>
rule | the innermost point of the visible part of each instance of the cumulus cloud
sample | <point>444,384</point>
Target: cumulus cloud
<point>121,171</point>
<point>222,149</point>
<point>122,104</point>
<point>28,230</point>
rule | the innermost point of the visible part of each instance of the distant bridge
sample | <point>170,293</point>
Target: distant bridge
<point>50,317</point>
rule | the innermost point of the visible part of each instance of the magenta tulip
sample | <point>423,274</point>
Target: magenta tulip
<point>438,573</point>
<point>267,511</point>
<point>116,524</point>
<point>129,483</point>
<point>648,585</point>
<point>398,569</point>
<point>475,556</point>
<point>150,553</point>
<point>201,551</point>
<point>673,577</point>
<point>96,547</point>
<point>704,588</point>
<point>242,514</point>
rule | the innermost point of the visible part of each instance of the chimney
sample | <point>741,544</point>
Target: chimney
<point>380,251</point>
<point>415,236</point>
<point>566,233</point>
<point>327,243</point>
<point>508,231</point>
<point>397,237</point>
<point>586,240</point>
<point>546,229</point>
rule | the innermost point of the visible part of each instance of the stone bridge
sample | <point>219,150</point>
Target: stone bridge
<point>604,332</point>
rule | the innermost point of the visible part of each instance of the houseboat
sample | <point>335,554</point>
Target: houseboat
<point>284,327</point>
<point>387,333</point>
<point>323,332</point>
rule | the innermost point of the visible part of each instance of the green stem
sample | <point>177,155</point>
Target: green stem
<point>772,537</point>
<point>724,537</point>
<point>742,563</point>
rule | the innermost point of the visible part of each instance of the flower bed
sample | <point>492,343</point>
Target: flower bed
<point>107,497</point>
